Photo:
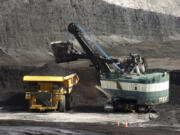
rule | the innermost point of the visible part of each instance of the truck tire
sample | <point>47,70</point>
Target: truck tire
<point>68,101</point>
<point>29,105</point>
<point>62,104</point>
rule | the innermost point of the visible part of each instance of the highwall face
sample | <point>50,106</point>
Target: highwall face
<point>27,26</point>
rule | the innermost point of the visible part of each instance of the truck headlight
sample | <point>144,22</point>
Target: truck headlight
<point>58,96</point>
<point>28,95</point>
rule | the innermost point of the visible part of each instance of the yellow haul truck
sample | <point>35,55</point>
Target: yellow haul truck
<point>49,92</point>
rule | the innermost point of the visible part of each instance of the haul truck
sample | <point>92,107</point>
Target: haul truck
<point>49,92</point>
<point>126,81</point>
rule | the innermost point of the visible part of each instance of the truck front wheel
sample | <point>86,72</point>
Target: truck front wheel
<point>62,104</point>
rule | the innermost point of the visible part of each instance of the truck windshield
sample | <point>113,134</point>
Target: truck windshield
<point>31,86</point>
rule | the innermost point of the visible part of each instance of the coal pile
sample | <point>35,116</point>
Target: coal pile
<point>175,77</point>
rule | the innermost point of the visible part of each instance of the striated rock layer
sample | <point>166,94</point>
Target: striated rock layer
<point>27,26</point>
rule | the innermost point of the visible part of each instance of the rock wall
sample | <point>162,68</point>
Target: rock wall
<point>27,26</point>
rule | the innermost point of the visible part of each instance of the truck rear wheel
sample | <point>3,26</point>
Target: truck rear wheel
<point>62,104</point>
<point>68,101</point>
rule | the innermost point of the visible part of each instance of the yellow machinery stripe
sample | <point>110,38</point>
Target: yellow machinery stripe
<point>44,78</point>
<point>48,78</point>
